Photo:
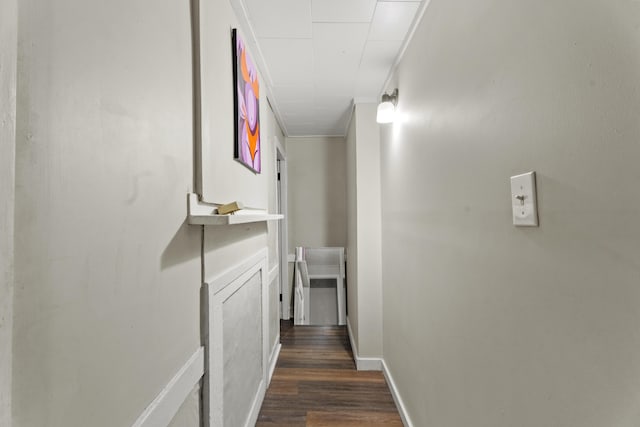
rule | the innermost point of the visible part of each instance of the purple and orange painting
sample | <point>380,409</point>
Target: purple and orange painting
<point>247,108</point>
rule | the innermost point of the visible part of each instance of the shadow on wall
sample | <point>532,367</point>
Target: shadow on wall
<point>186,242</point>
<point>183,247</point>
<point>233,235</point>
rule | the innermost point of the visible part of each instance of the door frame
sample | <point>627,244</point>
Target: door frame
<point>283,237</point>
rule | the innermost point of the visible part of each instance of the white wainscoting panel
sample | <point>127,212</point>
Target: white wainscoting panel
<point>242,350</point>
<point>236,332</point>
<point>164,407</point>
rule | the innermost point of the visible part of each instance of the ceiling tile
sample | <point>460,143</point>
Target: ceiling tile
<point>342,11</point>
<point>380,54</point>
<point>295,90</point>
<point>332,113</point>
<point>304,115</point>
<point>321,54</point>
<point>290,61</point>
<point>369,83</point>
<point>293,93</point>
<point>337,49</point>
<point>329,98</point>
<point>299,129</point>
<point>392,20</point>
<point>336,45</point>
<point>377,59</point>
<point>280,18</point>
<point>334,85</point>
<point>301,109</point>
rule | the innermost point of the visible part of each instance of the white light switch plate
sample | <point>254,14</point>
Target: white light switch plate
<point>523,200</point>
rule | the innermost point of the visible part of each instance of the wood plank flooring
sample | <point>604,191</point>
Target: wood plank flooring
<point>315,384</point>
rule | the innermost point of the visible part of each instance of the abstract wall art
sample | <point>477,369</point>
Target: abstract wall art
<point>246,106</point>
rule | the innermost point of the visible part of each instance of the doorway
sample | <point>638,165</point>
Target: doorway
<point>283,247</point>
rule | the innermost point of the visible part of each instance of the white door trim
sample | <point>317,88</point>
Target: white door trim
<point>283,237</point>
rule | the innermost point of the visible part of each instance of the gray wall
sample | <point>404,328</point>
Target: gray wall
<point>225,247</point>
<point>8,50</point>
<point>352,230</point>
<point>364,233</point>
<point>486,324</point>
<point>108,273</point>
<point>317,192</point>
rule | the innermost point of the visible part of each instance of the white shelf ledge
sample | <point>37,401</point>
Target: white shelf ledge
<point>200,213</point>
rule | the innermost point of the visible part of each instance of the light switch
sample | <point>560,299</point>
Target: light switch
<point>523,200</point>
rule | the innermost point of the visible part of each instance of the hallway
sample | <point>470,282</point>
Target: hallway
<point>130,296</point>
<point>316,384</point>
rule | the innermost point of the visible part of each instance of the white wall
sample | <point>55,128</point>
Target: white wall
<point>352,231</point>
<point>364,216</point>
<point>225,179</point>
<point>317,192</point>
<point>107,271</point>
<point>226,247</point>
<point>486,324</point>
<point>8,50</point>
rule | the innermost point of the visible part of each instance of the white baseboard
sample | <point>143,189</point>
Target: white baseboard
<point>378,364</point>
<point>257,405</point>
<point>369,364</point>
<point>363,363</point>
<point>396,396</point>
<point>275,353</point>
<point>354,348</point>
<point>165,406</point>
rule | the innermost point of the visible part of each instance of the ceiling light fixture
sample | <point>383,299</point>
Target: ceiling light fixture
<point>387,107</point>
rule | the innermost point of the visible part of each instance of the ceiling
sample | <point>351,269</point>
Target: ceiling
<point>318,56</point>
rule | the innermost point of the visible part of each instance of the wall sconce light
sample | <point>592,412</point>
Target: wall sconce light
<point>387,107</point>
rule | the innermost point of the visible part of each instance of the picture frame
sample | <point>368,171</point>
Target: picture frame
<point>247,143</point>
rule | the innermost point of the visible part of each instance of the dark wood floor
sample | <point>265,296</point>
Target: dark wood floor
<point>316,384</point>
